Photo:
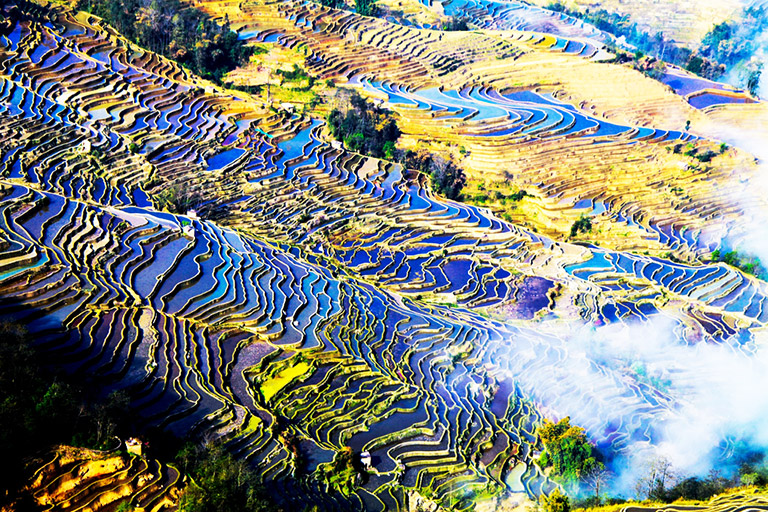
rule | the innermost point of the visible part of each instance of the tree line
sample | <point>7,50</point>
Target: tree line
<point>734,43</point>
<point>580,469</point>
<point>748,264</point>
<point>656,45</point>
<point>362,7</point>
<point>366,128</point>
<point>39,409</point>
<point>175,30</point>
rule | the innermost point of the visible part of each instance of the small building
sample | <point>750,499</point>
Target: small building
<point>134,446</point>
<point>336,144</point>
<point>365,460</point>
<point>288,107</point>
<point>192,214</point>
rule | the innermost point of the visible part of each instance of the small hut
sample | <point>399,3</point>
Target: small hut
<point>134,446</point>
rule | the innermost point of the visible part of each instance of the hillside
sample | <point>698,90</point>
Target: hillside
<point>369,258</point>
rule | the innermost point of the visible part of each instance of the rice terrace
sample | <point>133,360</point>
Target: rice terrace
<point>384,255</point>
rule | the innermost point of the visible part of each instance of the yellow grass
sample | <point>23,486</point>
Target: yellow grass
<point>731,499</point>
<point>680,20</point>
<point>644,179</point>
<point>415,11</point>
<point>273,386</point>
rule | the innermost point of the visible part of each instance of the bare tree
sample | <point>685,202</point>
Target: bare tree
<point>665,472</point>
<point>660,473</point>
<point>597,478</point>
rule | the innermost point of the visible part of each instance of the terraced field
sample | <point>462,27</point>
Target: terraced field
<point>683,22</point>
<point>334,297</point>
<point>80,479</point>
<point>505,104</point>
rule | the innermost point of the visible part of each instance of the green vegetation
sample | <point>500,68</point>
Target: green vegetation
<point>730,44</point>
<point>175,199</point>
<point>362,7</point>
<point>555,502</point>
<point>177,31</point>
<point>366,7</point>
<point>299,76</point>
<point>456,23</point>
<point>693,152</point>
<point>567,451</point>
<point>341,474</point>
<point>734,42</point>
<point>220,483</point>
<point>582,225</point>
<point>747,264</point>
<point>659,482</point>
<point>363,127</point>
<point>447,178</point>
<point>695,488</point>
<point>656,45</point>
<point>499,195</point>
<point>39,409</point>
<point>754,472</point>
<point>514,196</point>
<point>337,4</point>
<point>282,379</point>
<point>751,77</point>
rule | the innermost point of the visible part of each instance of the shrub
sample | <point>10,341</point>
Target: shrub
<point>39,409</point>
<point>556,502</point>
<point>364,127</point>
<point>707,156</point>
<point>518,196</point>
<point>456,23</point>
<point>583,225</point>
<point>747,264</point>
<point>177,31</point>
<point>366,7</point>
<point>221,483</point>
<point>447,178</point>
<point>567,450</point>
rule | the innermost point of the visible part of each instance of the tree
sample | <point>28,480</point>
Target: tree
<point>751,77</point>
<point>365,7</point>
<point>568,451</point>
<point>221,483</point>
<point>363,127</point>
<point>454,23</point>
<point>448,179</point>
<point>583,225</point>
<point>176,30</point>
<point>389,150</point>
<point>596,478</point>
<point>556,502</point>
<point>38,409</point>
<point>341,473</point>
<point>659,473</point>
<point>176,199</point>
